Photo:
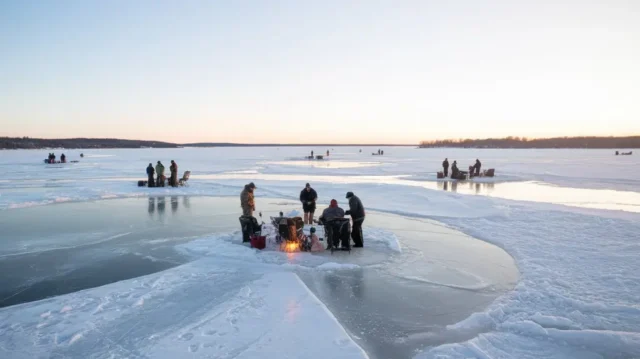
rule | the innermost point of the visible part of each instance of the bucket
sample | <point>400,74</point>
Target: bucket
<point>258,241</point>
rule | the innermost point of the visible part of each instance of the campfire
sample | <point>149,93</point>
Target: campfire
<point>290,246</point>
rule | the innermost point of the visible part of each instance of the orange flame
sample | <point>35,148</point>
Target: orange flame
<point>290,246</point>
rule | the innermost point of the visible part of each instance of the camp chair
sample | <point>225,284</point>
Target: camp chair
<point>183,181</point>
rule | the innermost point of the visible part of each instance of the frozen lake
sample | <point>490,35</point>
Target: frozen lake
<point>93,266</point>
<point>581,178</point>
<point>78,247</point>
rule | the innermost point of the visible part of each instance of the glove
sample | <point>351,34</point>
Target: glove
<point>348,213</point>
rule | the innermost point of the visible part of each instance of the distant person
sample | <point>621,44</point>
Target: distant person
<point>53,157</point>
<point>356,210</point>
<point>173,181</point>
<point>327,153</point>
<point>150,173</point>
<point>311,154</point>
<point>477,167</point>
<point>82,155</point>
<point>379,151</point>
<point>308,197</point>
<point>454,170</point>
<point>331,212</point>
<point>382,153</point>
<point>445,167</point>
<point>63,158</point>
<point>160,174</point>
<point>247,201</point>
<point>617,153</point>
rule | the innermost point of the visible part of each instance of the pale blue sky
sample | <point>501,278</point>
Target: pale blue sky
<point>322,71</point>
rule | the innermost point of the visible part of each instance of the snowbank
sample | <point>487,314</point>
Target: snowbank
<point>577,296</point>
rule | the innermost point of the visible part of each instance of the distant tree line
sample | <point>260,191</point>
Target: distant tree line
<point>15,143</point>
<point>523,142</point>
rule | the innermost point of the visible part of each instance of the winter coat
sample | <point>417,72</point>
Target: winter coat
<point>174,169</point>
<point>331,213</point>
<point>356,208</point>
<point>445,164</point>
<point>160,169</point>
<point>477,165</point>
<point>316,245</point>
<point>150,171</point>
<point>246,198</point>
<point>310,196</point>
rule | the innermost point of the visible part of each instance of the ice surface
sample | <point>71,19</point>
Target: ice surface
<point>201,308</point>
<point>577,296</point>
<point>427,249</point>
<point>221,171</point>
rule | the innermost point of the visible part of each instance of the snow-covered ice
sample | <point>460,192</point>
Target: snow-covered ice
<point>570,221</point>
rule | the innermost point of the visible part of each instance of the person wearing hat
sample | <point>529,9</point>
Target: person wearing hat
<point>173,180</point>
<point>160,174</point>
<point>332,212</point>
<point>445,167</point>
<point>150,173</point>
<point>356,210</point>
<point>247,200</point>
<point>308,197</point>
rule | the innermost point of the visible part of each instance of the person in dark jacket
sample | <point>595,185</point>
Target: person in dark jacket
<point>477,167</point>
<point>454,170</point>
<point>308,197</point>
<point>173,181</point>
<point>150,173</point>
<point>63,158</point>
<point>445,166</point>
<point>356,210</point>
<point>332,212</point>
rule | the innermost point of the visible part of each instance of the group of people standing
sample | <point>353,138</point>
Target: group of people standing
<point>158,173</point>
<point>475,169</point>
<point>327,153</point>
<point>52,158</point>
<point>308,198</point>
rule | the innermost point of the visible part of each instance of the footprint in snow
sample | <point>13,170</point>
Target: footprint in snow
<point>186,336</point>
<point>65,309</point>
